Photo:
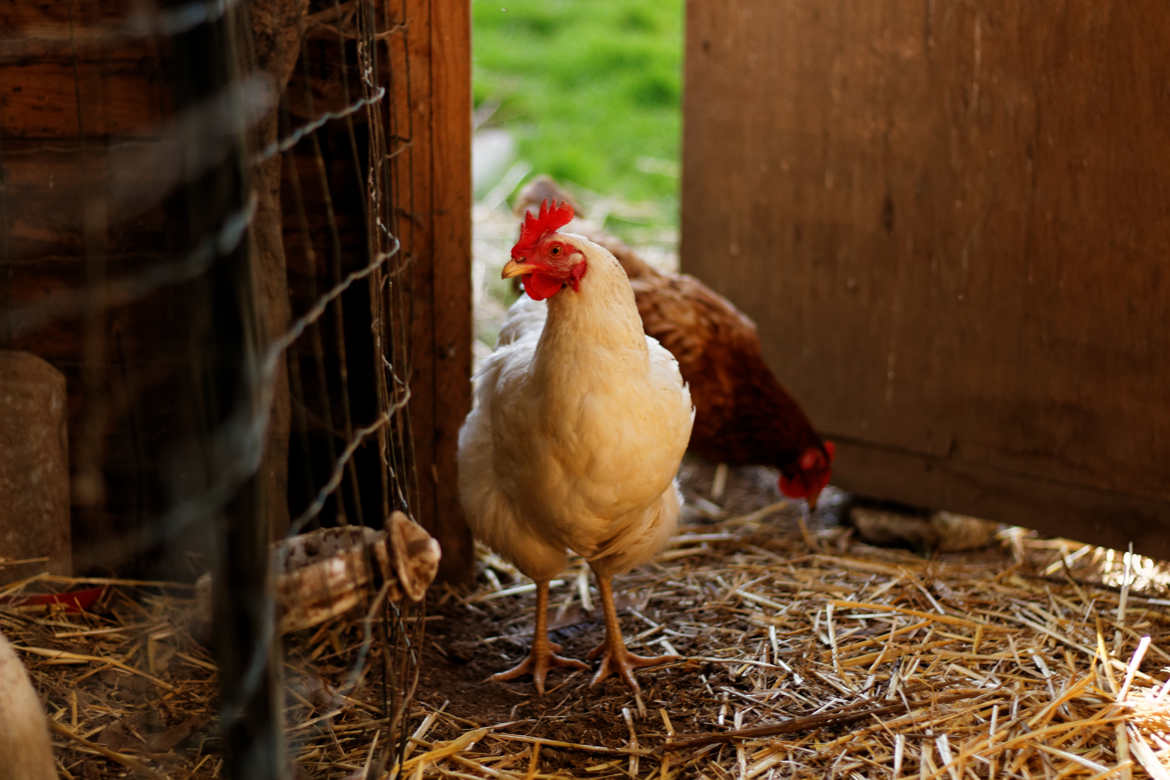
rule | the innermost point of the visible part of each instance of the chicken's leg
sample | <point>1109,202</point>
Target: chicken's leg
<point>614,655</point>
<point>543,655</point>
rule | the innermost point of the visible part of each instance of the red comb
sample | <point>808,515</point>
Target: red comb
<point>552,216</point>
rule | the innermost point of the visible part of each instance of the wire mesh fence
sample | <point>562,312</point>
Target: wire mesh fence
<point>206,231</point>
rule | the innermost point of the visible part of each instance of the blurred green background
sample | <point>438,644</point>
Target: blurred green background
<point>588,90</point>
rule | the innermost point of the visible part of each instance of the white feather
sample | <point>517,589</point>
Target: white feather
<point>578,426</point>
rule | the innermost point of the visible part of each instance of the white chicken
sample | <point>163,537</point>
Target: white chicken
<point>578,426</point>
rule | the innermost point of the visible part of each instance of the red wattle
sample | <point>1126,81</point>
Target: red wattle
<point>540,286</point>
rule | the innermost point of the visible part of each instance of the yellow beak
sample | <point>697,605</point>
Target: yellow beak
<point>517,268</point>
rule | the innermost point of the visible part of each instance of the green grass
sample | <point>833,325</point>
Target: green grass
<point>588,89</point>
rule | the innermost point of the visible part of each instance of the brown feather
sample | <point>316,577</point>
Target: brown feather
<point>742,412</point>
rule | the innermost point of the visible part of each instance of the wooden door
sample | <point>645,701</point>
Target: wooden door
<point>952,224</point>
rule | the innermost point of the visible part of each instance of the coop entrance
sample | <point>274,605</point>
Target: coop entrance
<point>589,96</point>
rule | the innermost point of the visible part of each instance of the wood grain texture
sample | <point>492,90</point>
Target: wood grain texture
<point>440,245</point>
<point>276,27</point>
<point>62,97</point>
<point>47,20</point>
<point>950,222</point>
<point>451,342</point>
<point>47,187</point>
<point>76,112</point>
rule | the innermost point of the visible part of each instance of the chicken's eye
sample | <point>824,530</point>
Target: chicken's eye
<point>556,250</point>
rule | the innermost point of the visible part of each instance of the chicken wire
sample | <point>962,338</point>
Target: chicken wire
<point>220,279</point>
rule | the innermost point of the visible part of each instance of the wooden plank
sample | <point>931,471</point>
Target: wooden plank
<point>83,70</point>
<point>436,234</point>
<point>46,188</point>
<point>50,18</point>
<point>410,124</point>
<point>451,227</point>
<point>949,222</point>
<point>985,490</point>
<point>64,99</point>
<point>276,38</point>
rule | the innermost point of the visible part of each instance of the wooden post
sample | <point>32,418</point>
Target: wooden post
<point>34,468</point>
<point>438,235</point>
<point>276,35</point>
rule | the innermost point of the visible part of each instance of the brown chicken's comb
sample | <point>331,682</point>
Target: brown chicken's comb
<point>552,217</point>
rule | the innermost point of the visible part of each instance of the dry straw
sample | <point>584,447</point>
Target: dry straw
<point>805,655</point>
<point>808,654</point>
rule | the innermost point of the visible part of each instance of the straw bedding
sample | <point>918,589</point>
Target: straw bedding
<point>805,654</point>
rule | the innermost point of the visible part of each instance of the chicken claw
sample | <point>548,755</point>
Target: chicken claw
<point>543,655</point>
<point>541,658</point>
<point>619,659</point>
<point>614,655</point>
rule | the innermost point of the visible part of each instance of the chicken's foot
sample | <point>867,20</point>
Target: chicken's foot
<point>614,655</point>
<point>543,655</point>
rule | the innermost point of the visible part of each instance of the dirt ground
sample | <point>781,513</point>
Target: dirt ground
<point>805,653</point>
<point>474,633</point>
<point>720,596</point>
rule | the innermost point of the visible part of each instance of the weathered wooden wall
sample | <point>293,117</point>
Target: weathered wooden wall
<point>109,246</point>
<point>78,122</point>
<point>951,222</point>
<point>85,169</point>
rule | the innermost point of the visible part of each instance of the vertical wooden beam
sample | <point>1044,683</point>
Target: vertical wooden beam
<point>440,72</point>
<point>276,37</point>
<point>34,467</point>
<point>451,173</point>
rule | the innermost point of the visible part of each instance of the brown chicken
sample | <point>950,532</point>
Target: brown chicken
<point>743,415</point>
